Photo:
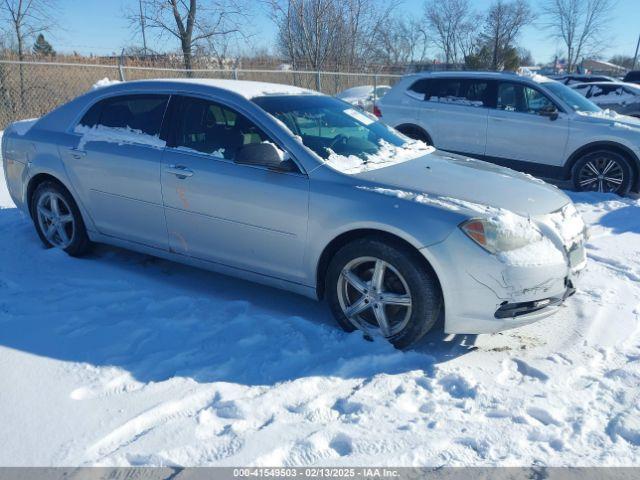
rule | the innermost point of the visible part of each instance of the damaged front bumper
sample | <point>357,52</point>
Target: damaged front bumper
<point>484,295</point>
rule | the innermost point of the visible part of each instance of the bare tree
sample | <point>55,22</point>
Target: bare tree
<point>580,24</point>
<point>401,41</point>
<point>193,23</point>
<point>26,19</point>
<point>502,24</point>
<point>317,33</point>
<point>453,26</point>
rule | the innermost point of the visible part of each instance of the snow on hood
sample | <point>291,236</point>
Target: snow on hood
<point>105,82</point>
<point>539,249</point>
<point>21,127</point>
<point>100,133</point>
<point>387,155</point>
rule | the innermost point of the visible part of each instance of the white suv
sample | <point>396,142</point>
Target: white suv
<point>529,123</point>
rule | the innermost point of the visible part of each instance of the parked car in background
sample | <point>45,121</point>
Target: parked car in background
<point>297,190</point>
<point>529,123</point>
<point>623,98</point>
<point>570,79</point>
<point>632,77</point>
<point>365,96</point>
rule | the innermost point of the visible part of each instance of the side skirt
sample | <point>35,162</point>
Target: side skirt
<point>248,275</point>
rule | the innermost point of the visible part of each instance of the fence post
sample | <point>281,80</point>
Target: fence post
<point>375,89</point>
<point>318,82</point>
<point>121,66</point>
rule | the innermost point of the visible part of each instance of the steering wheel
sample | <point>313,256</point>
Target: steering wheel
<point>338,139</point>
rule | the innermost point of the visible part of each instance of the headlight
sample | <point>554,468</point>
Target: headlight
<point>502,234</point>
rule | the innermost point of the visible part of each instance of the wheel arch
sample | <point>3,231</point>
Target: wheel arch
<point>606,145</point>
<point>406,127</point>
<point>349,236</point>
<point>37,180</point>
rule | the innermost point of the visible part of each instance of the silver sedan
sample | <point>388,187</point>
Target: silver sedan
<point>300,191</point>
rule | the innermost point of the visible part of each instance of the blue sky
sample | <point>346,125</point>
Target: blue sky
<point>98,26</point>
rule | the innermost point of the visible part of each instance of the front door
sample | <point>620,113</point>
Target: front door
<point>521,129</point>
<point>114,159</point>
<point>247,217</point>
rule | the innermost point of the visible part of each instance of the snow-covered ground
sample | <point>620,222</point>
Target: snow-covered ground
<point>123,359</point>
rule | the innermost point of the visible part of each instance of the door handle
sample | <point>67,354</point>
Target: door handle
<point>179,171</point>
<point>75,153</point>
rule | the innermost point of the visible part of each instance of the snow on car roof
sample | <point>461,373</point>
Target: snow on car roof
<point>246,88</point>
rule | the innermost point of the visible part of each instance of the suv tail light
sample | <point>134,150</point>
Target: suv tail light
<point>377,112</point>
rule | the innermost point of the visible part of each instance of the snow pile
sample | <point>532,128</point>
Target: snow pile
<point>100,133</point>
<point>457,101</point>
<point>388,154</point>
<point>535,250</point>
<point>568,223</point>
<point>246,88</point>
<point>105,82</point>
<point>440,201</point>
<point>21,127</point>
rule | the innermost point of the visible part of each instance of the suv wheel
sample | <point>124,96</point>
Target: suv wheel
<point>415,133</point>
<point>58,220</point>
<point>603,171</point>
<point>384,290</point>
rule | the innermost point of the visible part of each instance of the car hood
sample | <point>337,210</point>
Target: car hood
<point>448,175</point>
<point>610,118</point>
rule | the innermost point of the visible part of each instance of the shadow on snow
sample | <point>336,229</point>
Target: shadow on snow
<point>158,319</point>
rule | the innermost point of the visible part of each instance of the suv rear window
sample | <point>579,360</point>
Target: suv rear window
<point>633,76</point>
<point>465,92</point>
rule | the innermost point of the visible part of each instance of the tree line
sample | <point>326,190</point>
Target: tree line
<point>346,35</point>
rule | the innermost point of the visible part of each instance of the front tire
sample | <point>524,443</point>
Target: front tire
<point>603,171</point>
<point>58,220</point>
<point>384,289</point>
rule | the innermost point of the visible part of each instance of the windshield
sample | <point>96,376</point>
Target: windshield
<point>572,98</point>
<point>337,132</point>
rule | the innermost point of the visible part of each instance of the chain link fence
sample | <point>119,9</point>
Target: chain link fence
<point>31,89</point>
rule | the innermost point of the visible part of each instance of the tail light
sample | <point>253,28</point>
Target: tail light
<point>377,112</point>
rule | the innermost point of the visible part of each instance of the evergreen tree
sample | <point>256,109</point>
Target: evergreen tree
<point>42,47</point>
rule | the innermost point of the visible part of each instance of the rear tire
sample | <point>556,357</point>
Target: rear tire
<point>603,171</point>
<point>384,289</point>
<point>58,220</point>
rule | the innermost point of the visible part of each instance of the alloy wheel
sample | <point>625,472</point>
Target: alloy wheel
<point>55,219</point>
<point>374,296</point>
<point>602,174</point>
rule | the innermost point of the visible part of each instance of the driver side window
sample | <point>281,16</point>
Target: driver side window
<point>208,127</point>
<point>513,97</point>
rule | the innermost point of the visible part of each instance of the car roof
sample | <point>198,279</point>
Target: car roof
<point>246,88</point>
<point>534,78</point>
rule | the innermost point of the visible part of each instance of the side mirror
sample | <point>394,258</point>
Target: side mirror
<point>550,112</point>
<point>264,155</point>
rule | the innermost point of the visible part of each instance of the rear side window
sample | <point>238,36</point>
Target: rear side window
<point>419,89</point>
<point>461,91</point>
<point>137,112</point>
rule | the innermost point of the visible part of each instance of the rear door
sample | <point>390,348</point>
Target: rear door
<point>520,131</point>
<point>114,160</point>
<point>455,113</point>
<point>247,217</point>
